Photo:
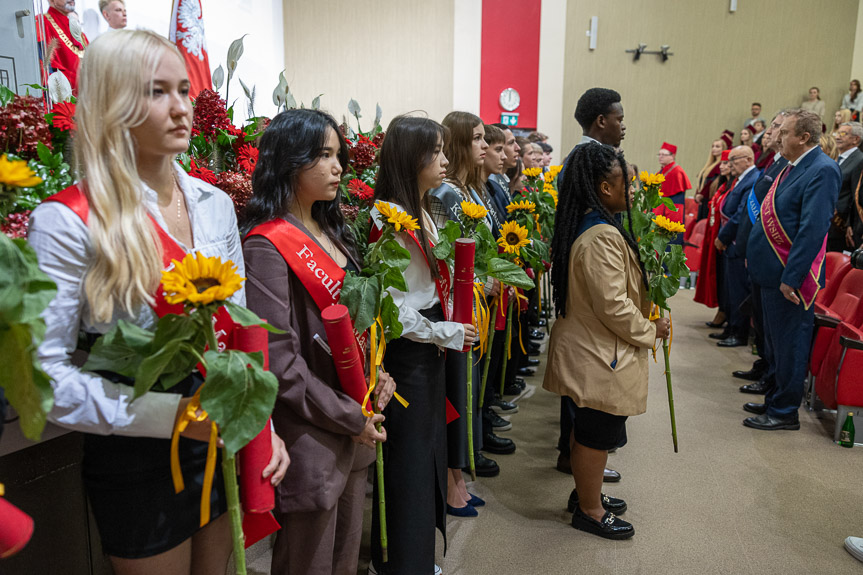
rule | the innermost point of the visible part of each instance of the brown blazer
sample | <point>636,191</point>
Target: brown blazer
<point>312,414</point>
<point>606,324</point>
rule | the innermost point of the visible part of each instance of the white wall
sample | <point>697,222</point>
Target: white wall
<point>224,21</point>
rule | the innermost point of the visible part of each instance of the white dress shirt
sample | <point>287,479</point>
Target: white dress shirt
<point>844,155</point>
<point>85,401</point>
<point>422,293</point>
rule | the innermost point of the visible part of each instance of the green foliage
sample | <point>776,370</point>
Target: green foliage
<point>509,273</point>
<point>56,176</point>
<point>25,292</point>
<point>6,96</point>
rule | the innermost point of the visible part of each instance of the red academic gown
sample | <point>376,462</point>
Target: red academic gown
<point>707,284</point>
<point>674,188</point>
<point>67,52</point>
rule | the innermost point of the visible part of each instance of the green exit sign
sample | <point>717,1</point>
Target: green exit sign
<point>509,119</point>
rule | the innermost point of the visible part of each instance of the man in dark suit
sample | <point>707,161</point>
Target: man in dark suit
<point>786,258</point>
<point>848,138</point>
<point>742,161</point>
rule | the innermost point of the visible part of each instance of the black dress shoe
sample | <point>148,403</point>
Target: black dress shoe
<point>526,372</point>
<point>537,335</point>
<point>541,323</point>
<point>720,335</point>
<point>499,423</point>
<point>757,388</point>
<point>533,353</point>
<point>756,408</point>
<point>714,325</point>
<point>613,504</point>
<point>500,445</point>
<point>751,375</point>
<point>532,362</point>
<point>732,341</point>
<point>500,406</point>
<point>610,476</point>
<point>484,466</point>
<point>611,527</point>
<point>531,346</point>
<point>512,389</point>
<point>767,423</point>
<point>519,381</point>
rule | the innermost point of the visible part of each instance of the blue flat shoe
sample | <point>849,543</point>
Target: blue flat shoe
<point>475,501</point>
<point>466,511</point>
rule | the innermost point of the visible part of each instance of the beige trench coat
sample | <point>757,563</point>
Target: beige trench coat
<point>598,353</point>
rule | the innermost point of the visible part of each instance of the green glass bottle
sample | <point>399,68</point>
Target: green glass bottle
<point>846,436</point>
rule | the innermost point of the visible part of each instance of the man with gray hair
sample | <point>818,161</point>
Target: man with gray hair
<point>848,137</point>
<point>64,42</point>
<point>114,12</point>
<point>785,258</point>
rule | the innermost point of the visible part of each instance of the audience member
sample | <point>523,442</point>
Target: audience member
<point>114,12</point>
<point>755,113</point>
<point>840,117</point>
<point>546,154</point>
<point>708,173</point>
<point>536,137</point>
<point>711,272</point>
<point>852,100</point>
<point>674,188</point>
<point>850,158</point>
<point>747,139</point>
<point>828,146</point>
<point>814,103</point>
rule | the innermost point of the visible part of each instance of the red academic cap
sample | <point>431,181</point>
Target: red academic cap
<point>725,154</point>
<point>727,137</point>
<point>672,149</point>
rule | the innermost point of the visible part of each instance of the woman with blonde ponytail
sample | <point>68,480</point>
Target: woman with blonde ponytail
<point>98,241</point>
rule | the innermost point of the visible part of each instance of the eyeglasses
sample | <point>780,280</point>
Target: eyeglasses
<point>663,154</point>
<point>843,134</point>
<point>734,159</point>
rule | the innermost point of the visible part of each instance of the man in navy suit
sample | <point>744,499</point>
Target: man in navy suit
<point>786,258</point>
<point>742,162</point>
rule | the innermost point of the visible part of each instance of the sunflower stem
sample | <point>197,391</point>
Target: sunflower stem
<point>488,350</point>
<point>232,494</point>
<point>470,414</point>
<point>507,345</point>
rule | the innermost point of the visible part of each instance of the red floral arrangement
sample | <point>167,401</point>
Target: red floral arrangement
<point>238,185</point>
<point>363,153</point>
<point>210,115</point>
<point>350,212</point>
<point>15,225</point>
<point>360,190</point>
<point>63,116</point>
<point>247,158</point>
<point>203,173</point>
<point>23,126</point>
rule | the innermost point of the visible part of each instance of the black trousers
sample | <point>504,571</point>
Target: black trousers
<point>738,285</point>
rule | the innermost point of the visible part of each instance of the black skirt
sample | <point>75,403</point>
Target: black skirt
<point>456,392</point>
<point>596,429</point>
<point>130,489</point>
<point>415,458</point>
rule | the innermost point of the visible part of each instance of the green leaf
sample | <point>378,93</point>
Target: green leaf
<point>218,78</point>
<point>6,96</point>
<point>394,278</point>
<point>390,318</point>
<point>246,317</point>
<point>238,395</point>
<point>508,273</point>
<point>26,386</point>
<point>121,350</point>
<point>361,295</point>
<point>354,109</point>
<point>153,366</point>
<point>316,102</point>
<point>393,254</point>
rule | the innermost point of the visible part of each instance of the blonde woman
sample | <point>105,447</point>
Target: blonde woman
<point>840,117</point>
<point>708,173</point>
<point>97,240</point>
<point>828,146</point>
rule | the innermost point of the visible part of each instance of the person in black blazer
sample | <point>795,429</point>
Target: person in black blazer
<point>803,198</point>
<point>848,137</point>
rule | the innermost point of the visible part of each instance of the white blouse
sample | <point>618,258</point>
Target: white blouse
<point>421,294</point>
<point>85,401</point>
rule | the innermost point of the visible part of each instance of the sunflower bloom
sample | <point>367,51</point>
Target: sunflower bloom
<point>522,206</point>
<point>199,280</point>
<point>669,225</point>
<point>473,211</point>
<point>550,190</point>
<point>396,217</point>
<point>512,238</point>
<point>552,172</point>
<point>649,179</point>
<point>17,174</point>
<point>532,172</point>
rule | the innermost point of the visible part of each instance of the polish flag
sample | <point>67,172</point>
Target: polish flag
<point>187,32</point>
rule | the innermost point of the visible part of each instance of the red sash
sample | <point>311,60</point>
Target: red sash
<point>781,244</point>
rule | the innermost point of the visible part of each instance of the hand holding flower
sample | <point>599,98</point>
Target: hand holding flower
<point>663,327</point>
<point>470,335</point>
<point>370,435</point>
<point>385,388</point>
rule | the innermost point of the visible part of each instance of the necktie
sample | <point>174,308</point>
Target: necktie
<point>785,173</point>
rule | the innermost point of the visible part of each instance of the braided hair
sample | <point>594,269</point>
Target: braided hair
<point>588,165</point>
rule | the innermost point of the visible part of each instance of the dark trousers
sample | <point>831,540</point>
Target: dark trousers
<point>737,282</point>
<point>566,416</point>
<point>788,334</point>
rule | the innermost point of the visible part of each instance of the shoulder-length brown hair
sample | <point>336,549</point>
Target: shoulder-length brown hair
<point>459,149</point>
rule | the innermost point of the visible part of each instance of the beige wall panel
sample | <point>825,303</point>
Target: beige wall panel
<point>393,52</point>
<point>769,51</point>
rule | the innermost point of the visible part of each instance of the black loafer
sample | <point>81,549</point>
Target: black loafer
<point>714,325</point>
<point>611,527</point>
<point>610,476</point>
<point>499,423</point>
<point>533,353</point>
<point>532,362</point>
<point>526,372</point>
<point>502,407</point>
<point>537,334</point>
<point>756,408</point>
<point>485,467</point>
<point>732,341</point>
<point>519,381</point>
<point>496,444</point>
<point>613,504</point>
<point>540,323</point>
<point>767,423</point>
<point>751,375</point>
<point>757,388</point>
<point>720,335</point>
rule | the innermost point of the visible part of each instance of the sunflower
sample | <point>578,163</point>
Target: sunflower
<point>473,211</point>
<point>552,172</point>
<point>199,280</point>
<point>649,179</point>
<point>550,190</point>
<point>667,224</point>
<point>532,172</point>
<point>512,238</point>
<point>522,206</point>
<point>17,174</point>
<point>396,217</point>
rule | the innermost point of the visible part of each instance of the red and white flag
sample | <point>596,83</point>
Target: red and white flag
<point>187,32</point>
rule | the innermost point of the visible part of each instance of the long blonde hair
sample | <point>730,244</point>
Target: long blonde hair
<point>828,146</point>
<point>114,80</point>
<point>712,162</point>
<point>845,116</point>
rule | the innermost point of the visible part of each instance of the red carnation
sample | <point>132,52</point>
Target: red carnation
<point>210,114</point>
<point>64,116</point>
<point>15,225</point>
<point>238,185</point>
<point>247,159</point>
<point>363,153</point>
<point>350,212</point>
<point>360,190</point>
<point>378,140</point>
<point>203,173</point>
<point>23,126</point>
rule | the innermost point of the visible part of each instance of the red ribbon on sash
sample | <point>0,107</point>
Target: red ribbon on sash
<point>781,244</point>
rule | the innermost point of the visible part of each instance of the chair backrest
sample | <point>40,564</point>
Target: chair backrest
<point>836,265</point>
<point>698,231</point>
<point>846,304</point>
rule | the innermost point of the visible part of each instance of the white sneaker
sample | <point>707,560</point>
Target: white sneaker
<point>437,570</point>
<point>854,546</point>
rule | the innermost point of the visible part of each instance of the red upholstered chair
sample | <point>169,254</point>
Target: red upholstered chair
<point>836,265</point>
<point>690,213</point>
<point>845,307</point>
<point>839,383</point>
<point>692,246</point>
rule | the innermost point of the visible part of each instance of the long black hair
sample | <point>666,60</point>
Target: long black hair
<point>293,142</point>
<point>408,148</point>
<point>588,166</point>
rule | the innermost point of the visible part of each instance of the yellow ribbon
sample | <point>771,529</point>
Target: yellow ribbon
<point>377,354</point>
<point>2,490</point>
<point>654,314</point>
<point>519,296</point>
<point>480,317</point>
<point>189,415</point>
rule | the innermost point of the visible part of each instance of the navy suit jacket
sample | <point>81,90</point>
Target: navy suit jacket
<point>736,206</point>
<point>804,205</point>
<point>762,186</point>
<point>500,198</point>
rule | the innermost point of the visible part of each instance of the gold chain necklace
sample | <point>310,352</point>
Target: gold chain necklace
<point>62,35</point>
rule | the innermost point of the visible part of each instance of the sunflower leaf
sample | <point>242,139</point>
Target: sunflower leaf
<point>390,318</point>
<point>508,273</point>
<point>246,317</point>
<point>362,296</point>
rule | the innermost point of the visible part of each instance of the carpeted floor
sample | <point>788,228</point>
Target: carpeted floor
<point>733,500</point>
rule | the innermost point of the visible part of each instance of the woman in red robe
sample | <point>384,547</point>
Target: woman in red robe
<point>708,281</point>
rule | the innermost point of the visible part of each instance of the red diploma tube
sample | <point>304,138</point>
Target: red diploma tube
<point>16,528</point>
<point>346,352</point>
<point>463,282</point>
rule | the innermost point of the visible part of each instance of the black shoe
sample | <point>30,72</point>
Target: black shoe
<point>500,445</point>
<point>512,389</point>
<point>563,463</point>
<point>732,341</point>
<point>613,504</point>
<point>500,406</point>
<point>610,527</point>
<point>751,375</point>
<point>540,323</point>
<point>533,353</point>
<point>532,362</point>
<point>543,313</point>
<point>532,346</point>
<point>720,335</point>
<point>519,381</point>
<point>484,466</point>
<point>757,388</point>
<point>536,334</point>
<point>610,476</point>
<point>526,372</point>
<point>768,423</point>
<point>715,325</point>
<point>756,408</point>
<point>498,423</point>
